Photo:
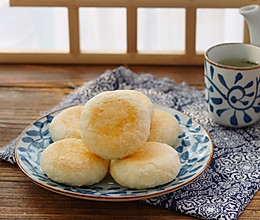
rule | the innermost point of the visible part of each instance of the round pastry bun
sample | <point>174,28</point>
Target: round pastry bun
<point>151,165</point>
<point>66,124</point>
<point>146,101</point>
<point>69,162</point>
<point>164,128</point>
<point>115,124</point>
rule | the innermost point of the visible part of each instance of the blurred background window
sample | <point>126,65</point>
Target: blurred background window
<point>161,30</point>
<point>216,26</point>
<point>33,28</point>
<point>104,29</point>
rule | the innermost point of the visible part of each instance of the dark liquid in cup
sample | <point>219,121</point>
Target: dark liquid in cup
<point>237,62</point>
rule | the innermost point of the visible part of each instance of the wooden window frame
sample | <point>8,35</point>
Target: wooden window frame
<point>131,56</point>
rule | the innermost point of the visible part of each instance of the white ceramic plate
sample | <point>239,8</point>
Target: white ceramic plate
<point>194,146</point>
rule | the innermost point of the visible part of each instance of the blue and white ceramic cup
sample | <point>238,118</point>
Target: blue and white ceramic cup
<point>232,84</point>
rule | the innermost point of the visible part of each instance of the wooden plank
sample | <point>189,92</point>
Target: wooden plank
<point>47,77</point>
<point>120,59</point>
<point>138,3</point>
<point>131,29</point>
<point>73,15</point>
<point>190,32</point>
<point>40,3</point>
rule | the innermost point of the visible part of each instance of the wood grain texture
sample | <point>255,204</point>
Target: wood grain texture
<point>27,90</point>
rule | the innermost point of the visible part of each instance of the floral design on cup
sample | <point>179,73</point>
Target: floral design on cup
<point>237,96</point>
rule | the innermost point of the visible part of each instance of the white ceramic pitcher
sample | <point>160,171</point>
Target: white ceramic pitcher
<point>251,14</point>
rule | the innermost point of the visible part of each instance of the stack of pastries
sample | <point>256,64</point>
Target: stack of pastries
<point>117,132</point>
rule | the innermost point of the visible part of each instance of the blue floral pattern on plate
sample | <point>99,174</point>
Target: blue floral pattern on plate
<point>194,146</point>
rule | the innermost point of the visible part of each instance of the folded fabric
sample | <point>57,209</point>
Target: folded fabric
<point>233,177</point>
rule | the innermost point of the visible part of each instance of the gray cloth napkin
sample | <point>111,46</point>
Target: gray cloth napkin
<point>233,177</point>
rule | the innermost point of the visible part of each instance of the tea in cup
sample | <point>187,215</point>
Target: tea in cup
<point>232,83</point>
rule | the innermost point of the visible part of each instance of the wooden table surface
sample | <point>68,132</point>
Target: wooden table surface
<point>27,90</point>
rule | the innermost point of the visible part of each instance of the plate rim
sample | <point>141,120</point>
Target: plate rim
<point>109,198</point>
